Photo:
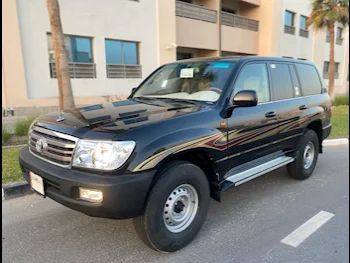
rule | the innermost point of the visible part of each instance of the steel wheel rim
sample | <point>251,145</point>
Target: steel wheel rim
<point>309,155</point>
<point>180,208</point>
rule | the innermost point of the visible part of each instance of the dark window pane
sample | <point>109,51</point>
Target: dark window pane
<point>180,56</point>
<point>254,77</point>
<point>289,18</point>
<point>113,52</point>
<point>326,66</point>
<point>81,50</point>
<point>130,53</point>
<point>339,33</point>
<point>310,80</point>
<point>281,81</point>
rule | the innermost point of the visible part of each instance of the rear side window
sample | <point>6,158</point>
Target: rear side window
<point>281,81</point>
<point>310,80</point>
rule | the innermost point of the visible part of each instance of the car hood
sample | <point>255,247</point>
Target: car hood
<point>113,117</point>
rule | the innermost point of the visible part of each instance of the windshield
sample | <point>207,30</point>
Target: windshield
<point>198,81</point>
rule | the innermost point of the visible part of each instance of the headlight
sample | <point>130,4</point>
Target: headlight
<point>102,155</point>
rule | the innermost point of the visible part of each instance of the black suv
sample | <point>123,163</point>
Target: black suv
<point>191,130</point>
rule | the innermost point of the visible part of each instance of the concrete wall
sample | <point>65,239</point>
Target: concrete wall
<point>239,40</point>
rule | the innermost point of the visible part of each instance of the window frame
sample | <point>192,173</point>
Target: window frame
<point>240,73</point>
<point>74,36</point>
<point>138,60</point>
<point>293,18</point>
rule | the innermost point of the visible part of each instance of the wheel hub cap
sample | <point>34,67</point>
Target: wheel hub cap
<point>309,155</point>
<point>180,208</point>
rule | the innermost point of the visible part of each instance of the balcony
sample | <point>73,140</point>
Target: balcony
<point>76,70</point>
<point>124,71</point>
<point>289,30</point>
<point>304,33</point>
<point>196,27</point>
<point>239,34</point>
<point>195,12</point>
<point>339,41</point>
<point>232,20</point>
<point>326,75</point>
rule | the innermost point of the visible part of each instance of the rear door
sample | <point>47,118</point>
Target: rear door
<point>291,106</point>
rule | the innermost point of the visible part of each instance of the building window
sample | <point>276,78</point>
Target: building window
<point>289,27</point>
<point>181,56</point>
<point>79,55</point>
<point>303,27</point>
<point>339,37</point>
<point>229,10</point>
<point>122,59</point>
<point>326,70</point>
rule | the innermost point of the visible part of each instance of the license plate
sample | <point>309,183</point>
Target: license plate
<point>37,183</point>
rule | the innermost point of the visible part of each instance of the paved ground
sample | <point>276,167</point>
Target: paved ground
<point>247,227</point>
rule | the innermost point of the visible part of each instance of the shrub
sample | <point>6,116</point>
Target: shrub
<point>341,100</point>
<point>6,135</point>
<point>22,126</point>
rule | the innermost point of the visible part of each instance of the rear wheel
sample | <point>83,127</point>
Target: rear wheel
<point>176,208</point>
<point>307,157</point>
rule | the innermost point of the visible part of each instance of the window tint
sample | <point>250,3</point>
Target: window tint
<point>281,81</point>
<point>289,18</point>
<point>121,52</point>
<point>254,77</point>
<point>310,80</point>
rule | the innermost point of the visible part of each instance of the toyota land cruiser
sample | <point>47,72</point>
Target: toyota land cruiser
<point>191,130</point>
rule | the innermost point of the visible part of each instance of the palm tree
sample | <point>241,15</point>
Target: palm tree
<point>66,98</point>
<point>325,15</point>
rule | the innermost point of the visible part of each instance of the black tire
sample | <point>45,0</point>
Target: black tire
<point>151,227</point>
<point>296,169</point>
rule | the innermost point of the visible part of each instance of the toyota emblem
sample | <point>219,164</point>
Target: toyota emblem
<point>41,145</point>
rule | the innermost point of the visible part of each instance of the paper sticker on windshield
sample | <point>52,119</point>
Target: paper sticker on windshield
<point>273,66</point>
<point>186,73</point>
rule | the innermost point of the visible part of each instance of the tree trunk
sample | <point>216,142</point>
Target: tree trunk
<point>331,62</point>
<point>66,98</point>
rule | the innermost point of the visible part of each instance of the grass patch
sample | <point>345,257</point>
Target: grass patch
<point>22,126</point>
<point>341,100</point>
<point>340,122</point>
<point>11,172</point>
<point>6,135</point>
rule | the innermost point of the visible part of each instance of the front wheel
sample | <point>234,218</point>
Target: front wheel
<point>307,157</point>
<point>176,208</point>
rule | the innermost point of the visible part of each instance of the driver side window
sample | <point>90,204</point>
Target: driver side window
<point>254,77</point>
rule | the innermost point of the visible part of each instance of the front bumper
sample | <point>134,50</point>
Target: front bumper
<point>124,196</point>
<point>326,131</point>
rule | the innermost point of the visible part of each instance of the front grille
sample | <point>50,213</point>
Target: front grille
<point>58,148</point>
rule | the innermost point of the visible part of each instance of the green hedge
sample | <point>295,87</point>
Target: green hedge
<point>341,100</point>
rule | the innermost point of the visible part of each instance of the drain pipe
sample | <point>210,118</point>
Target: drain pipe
<point>219,13</point>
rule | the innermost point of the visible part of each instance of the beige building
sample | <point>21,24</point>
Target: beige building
<point>112,46</point>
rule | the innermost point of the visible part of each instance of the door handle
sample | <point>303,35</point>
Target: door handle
<point>302,107</point>
<point>270,114</point>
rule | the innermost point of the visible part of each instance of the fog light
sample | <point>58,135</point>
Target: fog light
<point>90,195</point>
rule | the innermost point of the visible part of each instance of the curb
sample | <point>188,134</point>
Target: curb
<point>336,142</point>
<point>15,190</point>
<point>13,146</point>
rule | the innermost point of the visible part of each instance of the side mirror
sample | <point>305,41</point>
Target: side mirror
<point>245,98</point>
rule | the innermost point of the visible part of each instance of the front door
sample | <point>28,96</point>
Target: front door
<point>252,132</point>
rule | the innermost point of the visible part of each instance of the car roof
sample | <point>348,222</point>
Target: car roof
<point>243,59</point>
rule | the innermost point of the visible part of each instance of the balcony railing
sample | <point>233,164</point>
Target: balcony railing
<point>232,20</point>
<point>326,75</point>
<point>339,41</point>
<point>289,30</point>
<point>124,71</point>
<point>76,70</point>
<point>195,12</point>
<point>304,33</point>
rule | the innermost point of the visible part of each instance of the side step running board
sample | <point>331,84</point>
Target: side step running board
<point>249,174</point>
